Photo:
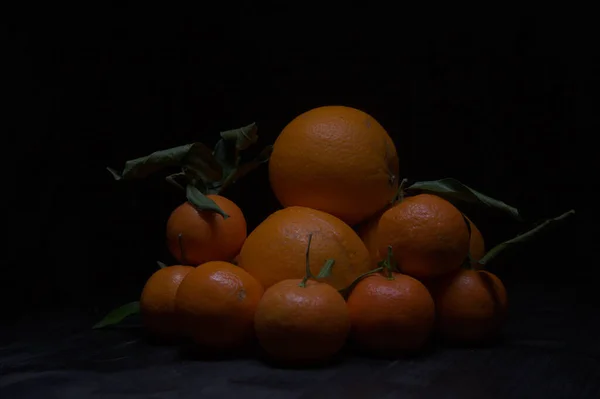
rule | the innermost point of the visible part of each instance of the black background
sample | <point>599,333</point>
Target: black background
<point>495,103</point>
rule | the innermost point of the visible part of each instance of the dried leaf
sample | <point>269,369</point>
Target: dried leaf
<point>177,179</point>
<point>196,158</point>
<point>243,137</point>
<point>244,169</point>
<point>147,165</point>
<point>200,164</point>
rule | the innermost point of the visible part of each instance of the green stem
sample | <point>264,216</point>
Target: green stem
<point>468,263</point>
<point>307,274</point>
<point>388,264</point>
<point>172,179</point>
<point>523,237</point>
<point>347,290</point>
<point>229,180</point>
<point>399,197</point>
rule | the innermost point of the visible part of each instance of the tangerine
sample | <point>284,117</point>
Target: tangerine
<point>471,305</point>
<point>216,302</point>
<point>428,235</point>
<point>157,302</point>
<point>195,237</point>
<point>398,307</point>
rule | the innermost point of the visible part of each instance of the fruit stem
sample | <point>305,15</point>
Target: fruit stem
<point>523,237</point>
<point>180,242</point>
<point>347,290</point>
<point>468,263</point>
<point>399,197</point>
<point>307,274</point>
<point>388,264</point>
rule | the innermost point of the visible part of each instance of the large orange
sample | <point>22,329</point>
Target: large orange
<point>301,324</point>
<point>216,304</point>
<point>471,305</point>
<point>391,315</point>
<point>206,235</point>
<point>157,302</point>
<point>276,249</point>
<point>428,235</point>
<point>336,159</point>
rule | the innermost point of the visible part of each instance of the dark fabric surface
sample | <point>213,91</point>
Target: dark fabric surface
<point>549,349</point>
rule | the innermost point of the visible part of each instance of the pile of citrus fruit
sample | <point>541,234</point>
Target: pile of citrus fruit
<point>354,255</point>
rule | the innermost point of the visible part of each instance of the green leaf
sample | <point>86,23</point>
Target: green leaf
<point>201,202</point>
<point>200,164</point>
<point>248,167</point>
<point>242,171</point>
<point>243,137</point>
<point>227,155</point>
<point>175,178</point>
<point>160,264</point>
<point>119,314</point>
<point>147,165</point>
<point>525,237</point>
<point>196,159</point>
<point>455,191</point>
<point>326,269</point>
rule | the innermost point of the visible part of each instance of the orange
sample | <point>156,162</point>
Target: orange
<point>206,235</point>
<point>471,305</point>
<point>216,303</point>
<point>428,235</point>
<point>335,159</point>
<point>391,315</point>
<point>477,244</point>
<point>301,324</point>
<point>275,250</point>
<point>157,302</point>
<point>367,231</point>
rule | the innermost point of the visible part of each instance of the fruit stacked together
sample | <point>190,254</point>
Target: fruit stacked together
<point>353,255</point>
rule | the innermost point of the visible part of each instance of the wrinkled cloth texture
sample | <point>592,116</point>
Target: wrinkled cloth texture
<point>549,349</point>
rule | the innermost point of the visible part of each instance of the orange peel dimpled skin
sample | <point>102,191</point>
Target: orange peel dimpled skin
<point>336,159</point>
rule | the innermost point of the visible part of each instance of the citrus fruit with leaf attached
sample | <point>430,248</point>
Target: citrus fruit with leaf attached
<point>428,235</point>
<point>302,320</point>
<point>197,236</point>
<point>471,305</point>
<point>391,314</point>
<point>275,249</point>
<point>337,159</point>
<point>216,304</point>
<point>157,302</point>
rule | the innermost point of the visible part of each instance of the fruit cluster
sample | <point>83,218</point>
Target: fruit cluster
<point>353,255</point>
